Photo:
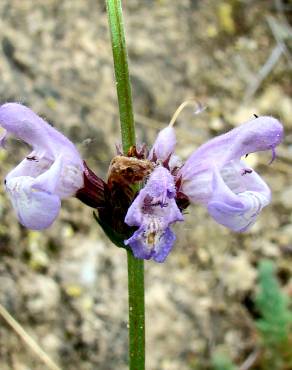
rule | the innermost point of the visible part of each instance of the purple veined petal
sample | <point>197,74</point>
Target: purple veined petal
<point>161,184</point>
<point>164,144</point>
<point>160,190</point>
<point>139,208</point>
<point>260,134</point>
<point>36,209</point>
<point>164,246</point>
<point>138,245</point>
<point>153,210</point>
<point>238,211</point>
<point>158,249</point>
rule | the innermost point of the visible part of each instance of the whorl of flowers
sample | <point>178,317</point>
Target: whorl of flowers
<point>214,176</point>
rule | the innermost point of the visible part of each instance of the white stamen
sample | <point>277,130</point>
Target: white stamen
<point>198,110</point>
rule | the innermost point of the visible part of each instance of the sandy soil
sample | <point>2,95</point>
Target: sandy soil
<point>67,286</point>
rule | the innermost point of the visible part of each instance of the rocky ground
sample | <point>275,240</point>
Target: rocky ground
<point>67,286</point>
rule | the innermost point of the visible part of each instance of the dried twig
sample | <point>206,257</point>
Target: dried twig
<point>250,361</point>
<point>281,11</point>
<point>28,339</point>
<point>264,71</point>
<point>281,33</point>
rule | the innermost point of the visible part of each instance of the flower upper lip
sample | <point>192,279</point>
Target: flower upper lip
<point>260,134</point>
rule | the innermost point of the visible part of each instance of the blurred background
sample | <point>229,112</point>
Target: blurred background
<point>67,286</point>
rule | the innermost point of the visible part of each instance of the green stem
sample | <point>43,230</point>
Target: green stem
<point>136,313</point>
<point>115,17</point>
<point>135,266</point>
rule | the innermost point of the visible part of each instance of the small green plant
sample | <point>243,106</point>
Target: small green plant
<point>222,362</point>
<point>274,326</point>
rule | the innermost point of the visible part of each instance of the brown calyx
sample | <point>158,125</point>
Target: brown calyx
<point>113,198</point>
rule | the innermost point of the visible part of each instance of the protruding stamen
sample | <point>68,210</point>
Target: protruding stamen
<point>273,156</point>
<point>3,138</point>
<point>199,109</point>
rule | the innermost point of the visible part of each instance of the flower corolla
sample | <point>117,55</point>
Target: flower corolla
<point>51,172</point>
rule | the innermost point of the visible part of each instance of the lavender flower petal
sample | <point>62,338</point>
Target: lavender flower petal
<point>164,144</point>
<point>52,171</point>
<point>26,125</point>
<point>36,209</point>
<point>153,210</point>
<point>162,245</point>
<point>215,177</point>
<point>237,211</point>
<point>260,134</point>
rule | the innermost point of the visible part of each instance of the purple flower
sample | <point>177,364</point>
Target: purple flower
<point>153,210</point>
<point>214,176</point>
<point>164,145</point>
<point>51,172</point>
